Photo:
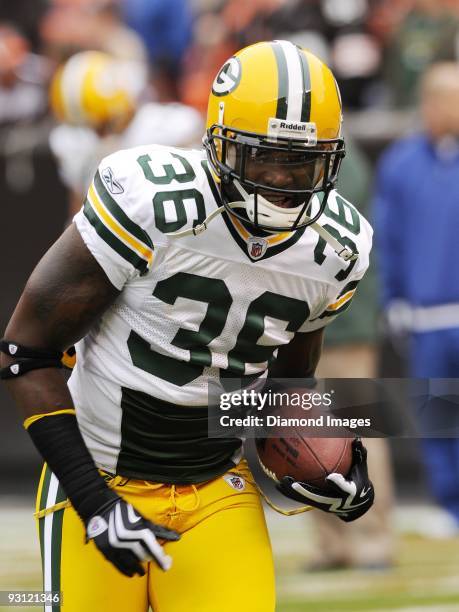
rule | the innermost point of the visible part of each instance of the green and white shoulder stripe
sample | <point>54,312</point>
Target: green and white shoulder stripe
<point>112,224</point>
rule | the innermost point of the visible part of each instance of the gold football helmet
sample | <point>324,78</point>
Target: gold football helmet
<point>273,136</point>
<point>94,89</point>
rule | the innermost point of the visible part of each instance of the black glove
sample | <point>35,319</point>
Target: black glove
<point>348,498</point>
<point>126,538</point>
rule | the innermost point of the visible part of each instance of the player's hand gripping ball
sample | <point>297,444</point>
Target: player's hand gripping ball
<point>347,496</point>
<point>305,459</point>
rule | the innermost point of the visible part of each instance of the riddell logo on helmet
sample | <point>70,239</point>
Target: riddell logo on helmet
<point>306,131</point>
<point>302,127</point>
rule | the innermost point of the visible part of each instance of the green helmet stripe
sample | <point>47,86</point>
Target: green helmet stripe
<point>282,74</point>
<point>306,105</point>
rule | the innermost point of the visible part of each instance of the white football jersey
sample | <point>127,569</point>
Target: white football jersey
<point>191,309</point>
<point>78,150</point>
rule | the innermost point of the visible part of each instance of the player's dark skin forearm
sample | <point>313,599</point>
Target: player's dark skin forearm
<point>66,294</point>
<point>300,357</point>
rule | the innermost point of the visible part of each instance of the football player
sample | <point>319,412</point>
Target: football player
<point>97,100</point>
<point>183,268</point>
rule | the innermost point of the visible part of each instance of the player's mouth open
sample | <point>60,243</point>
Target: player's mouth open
<point>282,202</point>
<point>285,203</point>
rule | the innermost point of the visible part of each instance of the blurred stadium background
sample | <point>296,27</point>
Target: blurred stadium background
<point>378,49</point>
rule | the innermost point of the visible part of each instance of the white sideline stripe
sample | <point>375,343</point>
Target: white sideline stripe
<point>48,529</point>
<point>402,316</point>
<point>295,80</point>
<point>433,318</point>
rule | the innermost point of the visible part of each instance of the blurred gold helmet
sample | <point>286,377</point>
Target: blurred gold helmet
<point>273,136</point>
<point>94,89</point>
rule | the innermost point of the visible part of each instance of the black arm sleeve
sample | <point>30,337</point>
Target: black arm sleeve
<point>61,444</point>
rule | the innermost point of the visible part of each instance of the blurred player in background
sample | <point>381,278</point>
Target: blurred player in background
<point>427,33</point>
<point>22,78</point>
<point>70,26</point>
<point>97,99</point>
<point>417,216</point>
<point>166,28</point>
<point>351,351</point>
<point>162,305</point>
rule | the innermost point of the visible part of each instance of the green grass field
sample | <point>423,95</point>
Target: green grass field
<point>425,578</point>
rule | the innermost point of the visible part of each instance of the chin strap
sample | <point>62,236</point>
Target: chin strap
<point>342,251</point>
<point>201,227</point>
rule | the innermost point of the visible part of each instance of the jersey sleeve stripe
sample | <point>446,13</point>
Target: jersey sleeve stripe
<point>119,213</point>
<point>333,313</point>
<point>114,242</point>
<point>339,306</point>
<point>342,300</point>
<point>116,228</point>
<point>349,287</point>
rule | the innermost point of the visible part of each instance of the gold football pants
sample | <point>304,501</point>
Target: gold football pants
<point>222,563</point>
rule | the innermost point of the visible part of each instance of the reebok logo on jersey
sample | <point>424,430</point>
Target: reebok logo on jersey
<point>234,481</point>
<point>112,184</point>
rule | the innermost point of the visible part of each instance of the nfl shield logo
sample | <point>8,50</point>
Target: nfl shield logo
<point>256,247</point>
<point>237,482</point>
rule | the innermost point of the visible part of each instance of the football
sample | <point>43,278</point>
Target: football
<point>305,459</point>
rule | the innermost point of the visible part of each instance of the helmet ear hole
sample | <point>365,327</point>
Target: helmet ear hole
<point>231,155</point>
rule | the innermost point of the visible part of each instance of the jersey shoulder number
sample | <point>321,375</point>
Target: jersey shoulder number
<point>137,197</point>
<point>347,225</point>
